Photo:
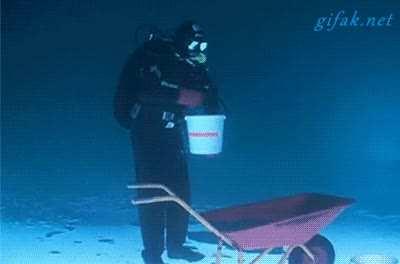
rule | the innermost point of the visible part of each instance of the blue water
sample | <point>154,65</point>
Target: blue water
<point>308,111</point>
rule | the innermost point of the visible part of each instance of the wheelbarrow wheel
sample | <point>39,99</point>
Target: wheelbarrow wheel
<point>321,249</point>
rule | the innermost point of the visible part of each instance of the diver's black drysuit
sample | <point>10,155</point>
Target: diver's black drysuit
<point>146,103</point>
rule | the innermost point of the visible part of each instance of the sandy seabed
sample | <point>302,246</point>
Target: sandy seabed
<point>42,242</point>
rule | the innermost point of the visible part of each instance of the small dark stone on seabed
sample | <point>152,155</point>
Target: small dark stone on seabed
<point>69,228</point>
<point>53,233</point>
<point>55,252</point>
<point>106,240</point>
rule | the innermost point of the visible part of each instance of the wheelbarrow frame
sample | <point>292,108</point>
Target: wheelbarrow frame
<point>172,197</point>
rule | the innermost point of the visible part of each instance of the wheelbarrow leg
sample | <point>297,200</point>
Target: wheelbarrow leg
<point>240,257</point>
<point>218,256</point>
<point>257,259</point>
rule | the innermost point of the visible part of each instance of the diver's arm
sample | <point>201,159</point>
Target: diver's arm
<point>124,97</point>
<point>154,90</point>
<point>158,91</point>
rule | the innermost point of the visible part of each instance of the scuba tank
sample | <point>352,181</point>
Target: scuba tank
<point>148,32</point>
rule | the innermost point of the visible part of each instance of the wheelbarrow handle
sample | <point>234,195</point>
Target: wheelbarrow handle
<point>151,186</point>
<point>185,206</point>
<point>155,199</point>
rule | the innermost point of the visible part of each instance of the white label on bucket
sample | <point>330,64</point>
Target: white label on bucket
<point>203,134</point>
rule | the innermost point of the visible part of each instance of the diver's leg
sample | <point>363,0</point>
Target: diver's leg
<point>177,218</point>
<point>151,217</point>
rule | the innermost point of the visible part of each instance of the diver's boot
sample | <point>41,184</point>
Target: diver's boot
<point>185,253</point>
<point>151,259</point>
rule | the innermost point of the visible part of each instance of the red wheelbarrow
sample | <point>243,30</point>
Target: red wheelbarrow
<point>291,223</point>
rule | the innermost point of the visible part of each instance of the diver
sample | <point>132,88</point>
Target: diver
<point>164,79</point>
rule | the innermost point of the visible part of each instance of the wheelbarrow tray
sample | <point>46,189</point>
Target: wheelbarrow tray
<point>280,222</point>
